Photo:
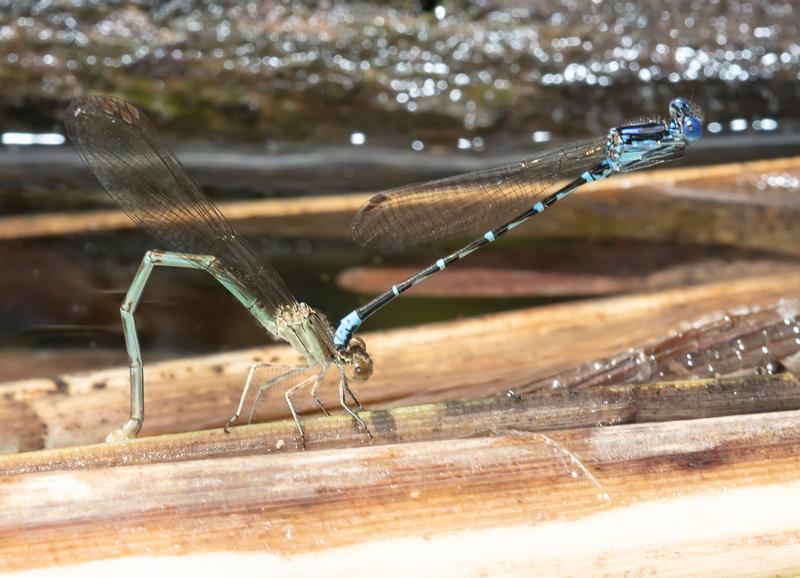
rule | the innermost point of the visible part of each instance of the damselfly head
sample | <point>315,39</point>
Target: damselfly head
<point>358,362</point>
<point>688,117</point>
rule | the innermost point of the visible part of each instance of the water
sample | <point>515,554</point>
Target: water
<point>508,71</point>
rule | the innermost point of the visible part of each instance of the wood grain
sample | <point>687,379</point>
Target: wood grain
<point>713,496</point>
<point>540,411</point>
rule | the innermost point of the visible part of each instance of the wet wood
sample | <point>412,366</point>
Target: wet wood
<point>667,499</point>
<point>730,204</point>
<point>465,359</point>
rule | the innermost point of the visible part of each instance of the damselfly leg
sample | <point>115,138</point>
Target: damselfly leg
<point>344,389</point>
<point>122,148</point>
<point>288,372</point>
<point>150,260</point>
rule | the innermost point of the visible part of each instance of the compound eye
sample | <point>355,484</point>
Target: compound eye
<point>360,366</point>
<point>692,128</point>
<point>679,107</point>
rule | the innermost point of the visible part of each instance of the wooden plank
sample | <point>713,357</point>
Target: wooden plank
<point>464,359</point>
<point>714,496</point>
<point>542,411</point>
<point>21,430</point>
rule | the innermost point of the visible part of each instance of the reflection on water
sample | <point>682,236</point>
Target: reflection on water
<point>401,74</point>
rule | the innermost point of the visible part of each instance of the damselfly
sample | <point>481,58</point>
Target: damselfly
<point>142,175</point>
<point>509,194</point>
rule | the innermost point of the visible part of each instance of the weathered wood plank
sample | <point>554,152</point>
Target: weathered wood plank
<point>542,411</point>
<point>718,495</point>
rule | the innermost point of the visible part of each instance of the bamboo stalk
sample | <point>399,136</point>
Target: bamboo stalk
<point>688,498</point>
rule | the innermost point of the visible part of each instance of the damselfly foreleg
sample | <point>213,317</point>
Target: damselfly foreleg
<point>344,389</point>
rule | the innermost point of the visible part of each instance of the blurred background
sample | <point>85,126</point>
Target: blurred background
<point>271,100</point>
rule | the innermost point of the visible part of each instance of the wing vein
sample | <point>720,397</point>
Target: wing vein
<point>148,182</point>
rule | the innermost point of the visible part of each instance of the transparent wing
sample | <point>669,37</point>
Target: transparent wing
<point>674,151</point>
<point>142,175</point>
<point>466,203</point>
